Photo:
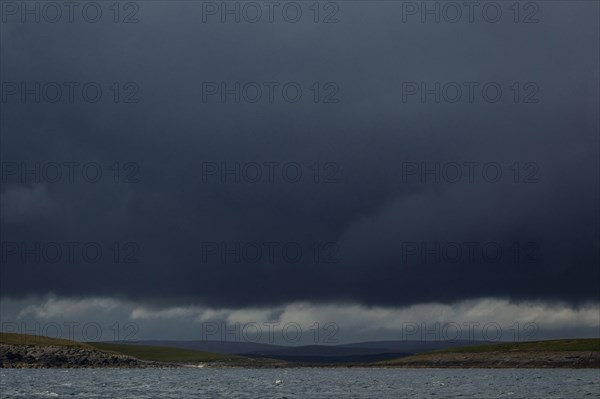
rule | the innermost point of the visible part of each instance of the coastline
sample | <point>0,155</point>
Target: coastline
<point>533,359</point>
<point>33,356</point>
<point>29,351</point>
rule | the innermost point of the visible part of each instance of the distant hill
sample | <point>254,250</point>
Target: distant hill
<point>228,347</point>
<point>360,352</point>
<point>410,346</point>
<point>327,354</point>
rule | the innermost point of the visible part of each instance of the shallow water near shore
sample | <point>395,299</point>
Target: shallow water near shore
<point>299,383</point>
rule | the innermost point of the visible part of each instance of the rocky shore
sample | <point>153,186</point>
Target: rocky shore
<point>34,356</point>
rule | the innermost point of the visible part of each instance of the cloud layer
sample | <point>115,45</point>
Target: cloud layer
<point>484,319</point>
<point>181,199</point>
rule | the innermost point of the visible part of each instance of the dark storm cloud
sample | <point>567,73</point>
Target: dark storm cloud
<point>380,229</point>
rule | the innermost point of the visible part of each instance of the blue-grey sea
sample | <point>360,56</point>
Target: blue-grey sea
<point>299,383</point>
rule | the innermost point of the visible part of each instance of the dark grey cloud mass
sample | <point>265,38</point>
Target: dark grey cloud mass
<point>385,236</point>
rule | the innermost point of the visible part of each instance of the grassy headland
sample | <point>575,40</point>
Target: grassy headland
<point>556,345</point>
<point>565,353</point>
<point>36,340</point>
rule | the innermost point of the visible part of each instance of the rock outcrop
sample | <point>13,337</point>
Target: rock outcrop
<point>33,356</point>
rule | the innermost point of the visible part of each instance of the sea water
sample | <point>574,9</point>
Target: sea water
<point>299,383</point>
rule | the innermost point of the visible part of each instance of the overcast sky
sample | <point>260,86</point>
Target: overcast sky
<point>371,166</point>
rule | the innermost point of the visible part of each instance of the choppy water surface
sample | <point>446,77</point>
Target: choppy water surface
<point>299,383</point>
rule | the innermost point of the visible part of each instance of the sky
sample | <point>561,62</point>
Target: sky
<point>179,167</point>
